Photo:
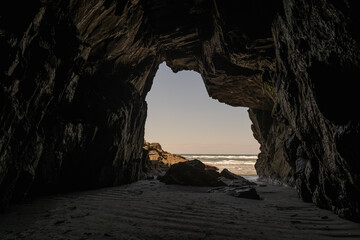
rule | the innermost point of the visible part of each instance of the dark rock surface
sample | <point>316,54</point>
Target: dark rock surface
<point>305,140</point>
<point>232,179</point>
<point>236,186</point>
<point>193,173</point>
<point>278,147</point>
<point>245,192</point>
<point>74,76</point>
<point>239,191</point>
<point>318,57</point>
<point>229,175</point>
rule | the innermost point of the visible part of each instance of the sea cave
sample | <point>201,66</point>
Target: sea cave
<point>75,75</point>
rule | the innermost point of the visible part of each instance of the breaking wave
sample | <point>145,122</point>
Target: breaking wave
<point>235,157</point>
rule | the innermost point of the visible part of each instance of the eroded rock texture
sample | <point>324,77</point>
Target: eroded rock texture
<point>74,76</point>
<point>317,47</point>
<point>276,161</point>
<point>310,138</point>
<point>71,118</point>
<point>157,154</point>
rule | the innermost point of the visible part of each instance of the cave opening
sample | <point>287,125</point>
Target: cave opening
<point>186,121</point>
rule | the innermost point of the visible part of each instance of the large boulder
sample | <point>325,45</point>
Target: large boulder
<point>194,173</point>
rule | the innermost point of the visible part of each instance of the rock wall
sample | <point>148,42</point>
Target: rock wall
<point>71,118</point>
<point>74,76</point>
<point>309,139</point>
<point>317,47</point>
<point>276,161</point>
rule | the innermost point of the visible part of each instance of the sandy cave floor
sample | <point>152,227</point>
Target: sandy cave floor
<point>149,209</point>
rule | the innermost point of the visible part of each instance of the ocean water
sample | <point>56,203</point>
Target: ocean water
<point>241,164</point>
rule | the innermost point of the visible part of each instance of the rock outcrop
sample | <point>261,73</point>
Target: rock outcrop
<point>156,161</point>
<point>75,74</point>
<point>157,154</point>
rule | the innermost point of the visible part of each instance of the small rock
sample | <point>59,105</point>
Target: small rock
<point>73,208</point>
<point>59,222</point>
<point>234,180</point>
<point>229,175</point>
<point>247,192</point>
<point>241,192</point>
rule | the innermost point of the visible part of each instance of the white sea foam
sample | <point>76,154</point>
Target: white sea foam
<point>230,162</point>
<point>220,156</point>
<point>242,164</point>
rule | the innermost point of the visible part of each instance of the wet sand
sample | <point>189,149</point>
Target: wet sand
<point>152,210</point>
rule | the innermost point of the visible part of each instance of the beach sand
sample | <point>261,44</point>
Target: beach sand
<point>149,209</point>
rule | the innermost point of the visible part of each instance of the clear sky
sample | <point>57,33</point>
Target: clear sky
<point>184,119</point>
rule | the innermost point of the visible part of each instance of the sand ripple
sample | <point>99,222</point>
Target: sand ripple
<point>152,210</point>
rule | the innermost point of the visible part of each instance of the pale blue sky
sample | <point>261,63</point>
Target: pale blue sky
<point>184,119</point>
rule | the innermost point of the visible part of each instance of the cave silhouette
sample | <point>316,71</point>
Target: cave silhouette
<point>74,78</point>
